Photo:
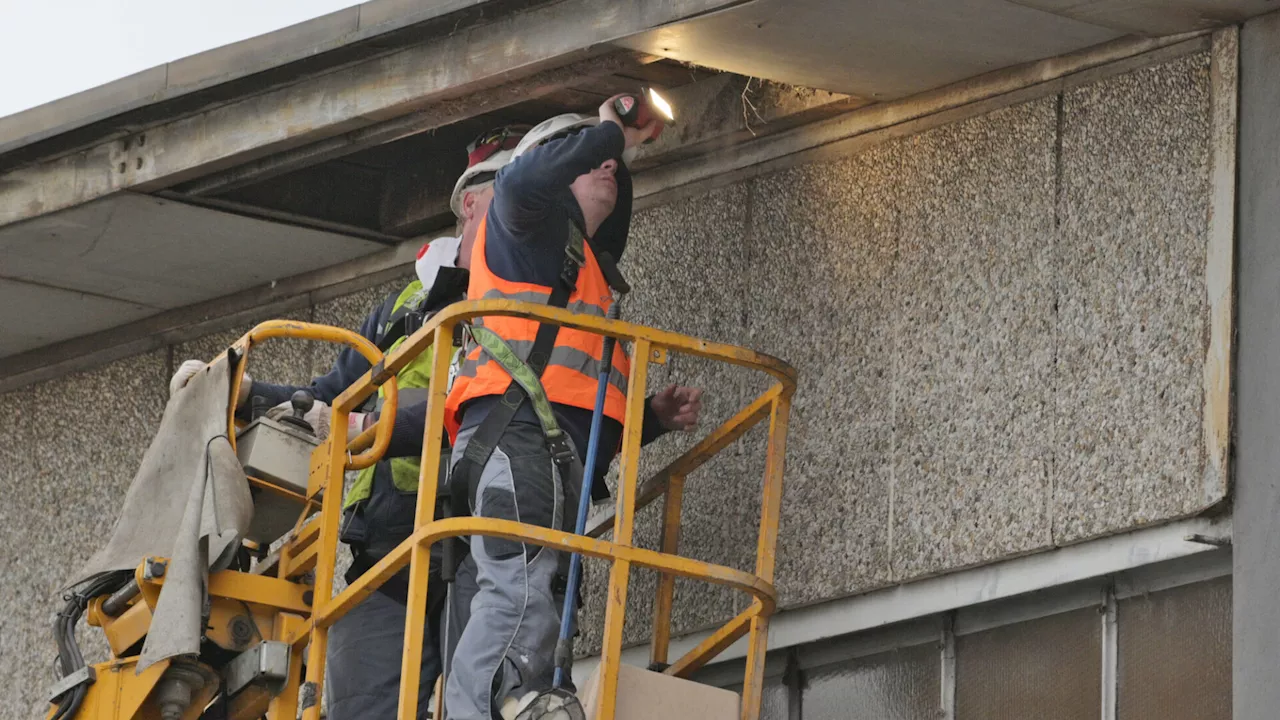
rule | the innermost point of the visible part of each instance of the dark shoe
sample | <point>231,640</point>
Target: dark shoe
<point>554,704</point>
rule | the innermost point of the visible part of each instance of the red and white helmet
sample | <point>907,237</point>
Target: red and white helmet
<point>435,254</point>
<point>486,155</point>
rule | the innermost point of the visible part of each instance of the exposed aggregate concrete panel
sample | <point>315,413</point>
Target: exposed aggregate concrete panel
<point>822,272</point>
<point>26,540</point>
<point>973,317</point>
<point>84,437</point>
<point>1132,327</point>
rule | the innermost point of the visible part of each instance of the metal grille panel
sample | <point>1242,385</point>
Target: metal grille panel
<point>897,685</point>
<point>1175,653</point>
<point>1047,669</point>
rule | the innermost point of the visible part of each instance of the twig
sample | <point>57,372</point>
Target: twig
<point>746,103</point>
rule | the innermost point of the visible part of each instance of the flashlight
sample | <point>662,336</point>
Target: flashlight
<point>637,110</point>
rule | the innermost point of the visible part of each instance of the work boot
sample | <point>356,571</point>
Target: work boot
<point>554,704</point>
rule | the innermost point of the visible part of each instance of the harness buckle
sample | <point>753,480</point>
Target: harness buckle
<point>574,260</point>
<point>562,453</point>
<point>576,253</point>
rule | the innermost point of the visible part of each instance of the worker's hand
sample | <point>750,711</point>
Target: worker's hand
<point>634,136</point>
<point>317,416</point>
<point>358,423</point>
<point>677,407</point>
<point>183,375</point>
<point>190,368</point>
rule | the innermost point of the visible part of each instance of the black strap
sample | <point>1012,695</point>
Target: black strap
<point>396,587</point>
<point>465,476</point>
<point>450,286</point>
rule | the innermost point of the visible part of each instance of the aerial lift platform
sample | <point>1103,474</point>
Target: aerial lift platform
<point>263,651</point>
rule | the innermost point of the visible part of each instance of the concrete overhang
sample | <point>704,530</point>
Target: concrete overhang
<point>129,256</point>
<point>885,49</point>
<point>334,138</point>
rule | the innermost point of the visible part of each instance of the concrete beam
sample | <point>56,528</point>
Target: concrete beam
<point>372,91</point>
<point>221,74</point>
<point>416,198</point>
<point>1256,573</point>
<point>432,117</point>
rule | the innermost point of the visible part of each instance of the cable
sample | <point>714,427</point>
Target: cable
<point>70,659</point>
<point>253,621</point>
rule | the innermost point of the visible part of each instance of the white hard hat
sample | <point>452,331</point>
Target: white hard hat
<point>438,253</point>
<point>558,126</point>
<point>547,129</point>
<point>488,153</point>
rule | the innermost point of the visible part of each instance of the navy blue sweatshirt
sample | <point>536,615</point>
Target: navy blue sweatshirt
<point>526,230</point>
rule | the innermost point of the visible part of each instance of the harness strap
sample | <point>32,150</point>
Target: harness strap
<point>395,587</point>
<point>466,474</point>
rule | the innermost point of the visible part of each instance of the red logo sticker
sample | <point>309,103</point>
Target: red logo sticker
<point>627,102</point>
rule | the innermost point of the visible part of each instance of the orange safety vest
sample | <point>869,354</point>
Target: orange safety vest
<point>573,371</point>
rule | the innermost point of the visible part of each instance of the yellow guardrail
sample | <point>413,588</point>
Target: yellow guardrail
<point>314,544</point>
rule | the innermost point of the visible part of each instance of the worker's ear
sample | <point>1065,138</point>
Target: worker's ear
<point>469,202</point>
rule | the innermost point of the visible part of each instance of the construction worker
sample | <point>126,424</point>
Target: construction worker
<point>364,653</point>
<point>566,183</point>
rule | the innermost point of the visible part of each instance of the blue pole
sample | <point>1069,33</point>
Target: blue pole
<point>564,646</point>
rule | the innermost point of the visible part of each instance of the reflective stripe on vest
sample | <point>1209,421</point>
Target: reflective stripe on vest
<point>573,369</point>
<point>560,356</point>
<point>412,380</point>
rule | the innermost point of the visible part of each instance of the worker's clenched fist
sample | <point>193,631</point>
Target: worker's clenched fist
<point>317,417</point>
<point>677,407</point>
<point>633,137</point>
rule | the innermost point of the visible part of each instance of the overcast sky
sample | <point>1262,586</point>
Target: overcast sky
<point>55,48</point>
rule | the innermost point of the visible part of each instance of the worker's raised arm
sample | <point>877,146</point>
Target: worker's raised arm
<point>527,189</point>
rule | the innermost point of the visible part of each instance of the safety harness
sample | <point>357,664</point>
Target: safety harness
<point>526,384</point>
<point>450,283</point>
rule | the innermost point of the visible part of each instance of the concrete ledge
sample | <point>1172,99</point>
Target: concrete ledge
<point>195,321</point>
<point>997,581</point>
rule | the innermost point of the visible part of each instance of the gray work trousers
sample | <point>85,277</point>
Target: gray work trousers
<point>362,670</point>
<point>506,644</point>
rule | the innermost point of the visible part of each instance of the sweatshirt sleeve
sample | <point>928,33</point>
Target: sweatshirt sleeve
<point>651,429</point>
<point>527,188</point>
<point>348,368</point>
<point>406,436</point>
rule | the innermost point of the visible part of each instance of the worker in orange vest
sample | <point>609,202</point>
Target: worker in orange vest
<point>365,645</point>
<point>553,233</point>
